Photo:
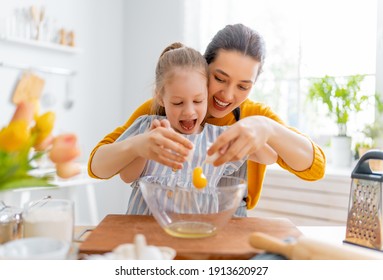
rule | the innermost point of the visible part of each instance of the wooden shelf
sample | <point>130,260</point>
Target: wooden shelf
<point>40,44</point>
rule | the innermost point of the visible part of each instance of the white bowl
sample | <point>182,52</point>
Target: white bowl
<point>35,248</point>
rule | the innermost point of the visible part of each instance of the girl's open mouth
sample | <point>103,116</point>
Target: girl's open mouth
<point>188,125</point>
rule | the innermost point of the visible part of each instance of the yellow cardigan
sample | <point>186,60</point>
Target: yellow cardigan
<point>255,171</point>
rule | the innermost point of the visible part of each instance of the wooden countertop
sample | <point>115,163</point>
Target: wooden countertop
<point>229,243</point>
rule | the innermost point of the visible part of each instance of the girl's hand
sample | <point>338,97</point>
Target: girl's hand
<point>160,123</point>
<point>162,144</point>
<point>128,157</point>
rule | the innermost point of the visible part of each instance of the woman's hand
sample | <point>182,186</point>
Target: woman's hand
<point>255,135</point>
<point>265,155</point>
<point>243,138</point>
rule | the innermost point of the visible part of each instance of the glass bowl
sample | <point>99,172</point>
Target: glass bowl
<point>187,212</point>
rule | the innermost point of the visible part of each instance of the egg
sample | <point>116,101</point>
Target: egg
<point>199,179</point>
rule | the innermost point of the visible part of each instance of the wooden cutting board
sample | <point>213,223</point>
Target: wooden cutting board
<point>230,243</point>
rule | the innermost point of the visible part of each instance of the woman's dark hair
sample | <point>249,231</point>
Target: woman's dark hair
<point>237,37</point>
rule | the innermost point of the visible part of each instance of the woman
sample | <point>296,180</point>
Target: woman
<point>235,56</point>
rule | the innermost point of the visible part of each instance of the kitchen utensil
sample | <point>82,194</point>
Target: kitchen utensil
<point>28,88</point>
<point>185,211</point>
<point>40,202</point>
<point>304,248</point>
<point>68,99</point>
<point>38,18</point>
<point>364,221</point>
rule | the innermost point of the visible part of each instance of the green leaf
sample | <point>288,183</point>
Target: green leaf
<point>341,97</point>
<point>26,182</point>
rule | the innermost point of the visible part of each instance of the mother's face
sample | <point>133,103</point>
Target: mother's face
<point>231,77</point>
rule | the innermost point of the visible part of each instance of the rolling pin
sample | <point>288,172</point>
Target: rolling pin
<point>304,248</point>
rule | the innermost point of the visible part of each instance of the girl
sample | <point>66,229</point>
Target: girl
<point>179,105</point>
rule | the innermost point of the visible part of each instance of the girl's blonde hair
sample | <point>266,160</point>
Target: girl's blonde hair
<point>173,58</point>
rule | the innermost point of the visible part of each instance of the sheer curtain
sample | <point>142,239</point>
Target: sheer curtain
<point>304,39</point>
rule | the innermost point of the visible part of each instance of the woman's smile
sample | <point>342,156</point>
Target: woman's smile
<point>219,104</point>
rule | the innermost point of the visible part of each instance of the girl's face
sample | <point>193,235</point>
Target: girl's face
<point>185,101</point>
<point>231,77</point>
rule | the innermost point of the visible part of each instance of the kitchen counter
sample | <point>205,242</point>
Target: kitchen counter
<point>330,234</point>
<point>209,248</point>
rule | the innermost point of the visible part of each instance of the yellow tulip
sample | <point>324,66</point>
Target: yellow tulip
<point>15,136</point>
<point>44,126</point>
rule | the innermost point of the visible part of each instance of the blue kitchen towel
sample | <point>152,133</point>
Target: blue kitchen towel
<point>271,256</point>
<point>268,256</point>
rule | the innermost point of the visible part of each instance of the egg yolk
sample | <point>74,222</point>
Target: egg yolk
<point>199,179</point>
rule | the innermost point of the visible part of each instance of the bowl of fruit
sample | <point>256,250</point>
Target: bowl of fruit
<point>192,209</point>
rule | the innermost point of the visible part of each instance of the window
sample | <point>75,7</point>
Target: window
<point>304,39</point>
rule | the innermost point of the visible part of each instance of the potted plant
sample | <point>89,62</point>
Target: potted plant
<point>371,134</point>
<point>341,97</point>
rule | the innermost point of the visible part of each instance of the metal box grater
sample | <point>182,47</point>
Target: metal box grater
<point>364,221</point>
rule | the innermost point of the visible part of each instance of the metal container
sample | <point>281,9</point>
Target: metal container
<point>364,222</point>
<point>10,223</point>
